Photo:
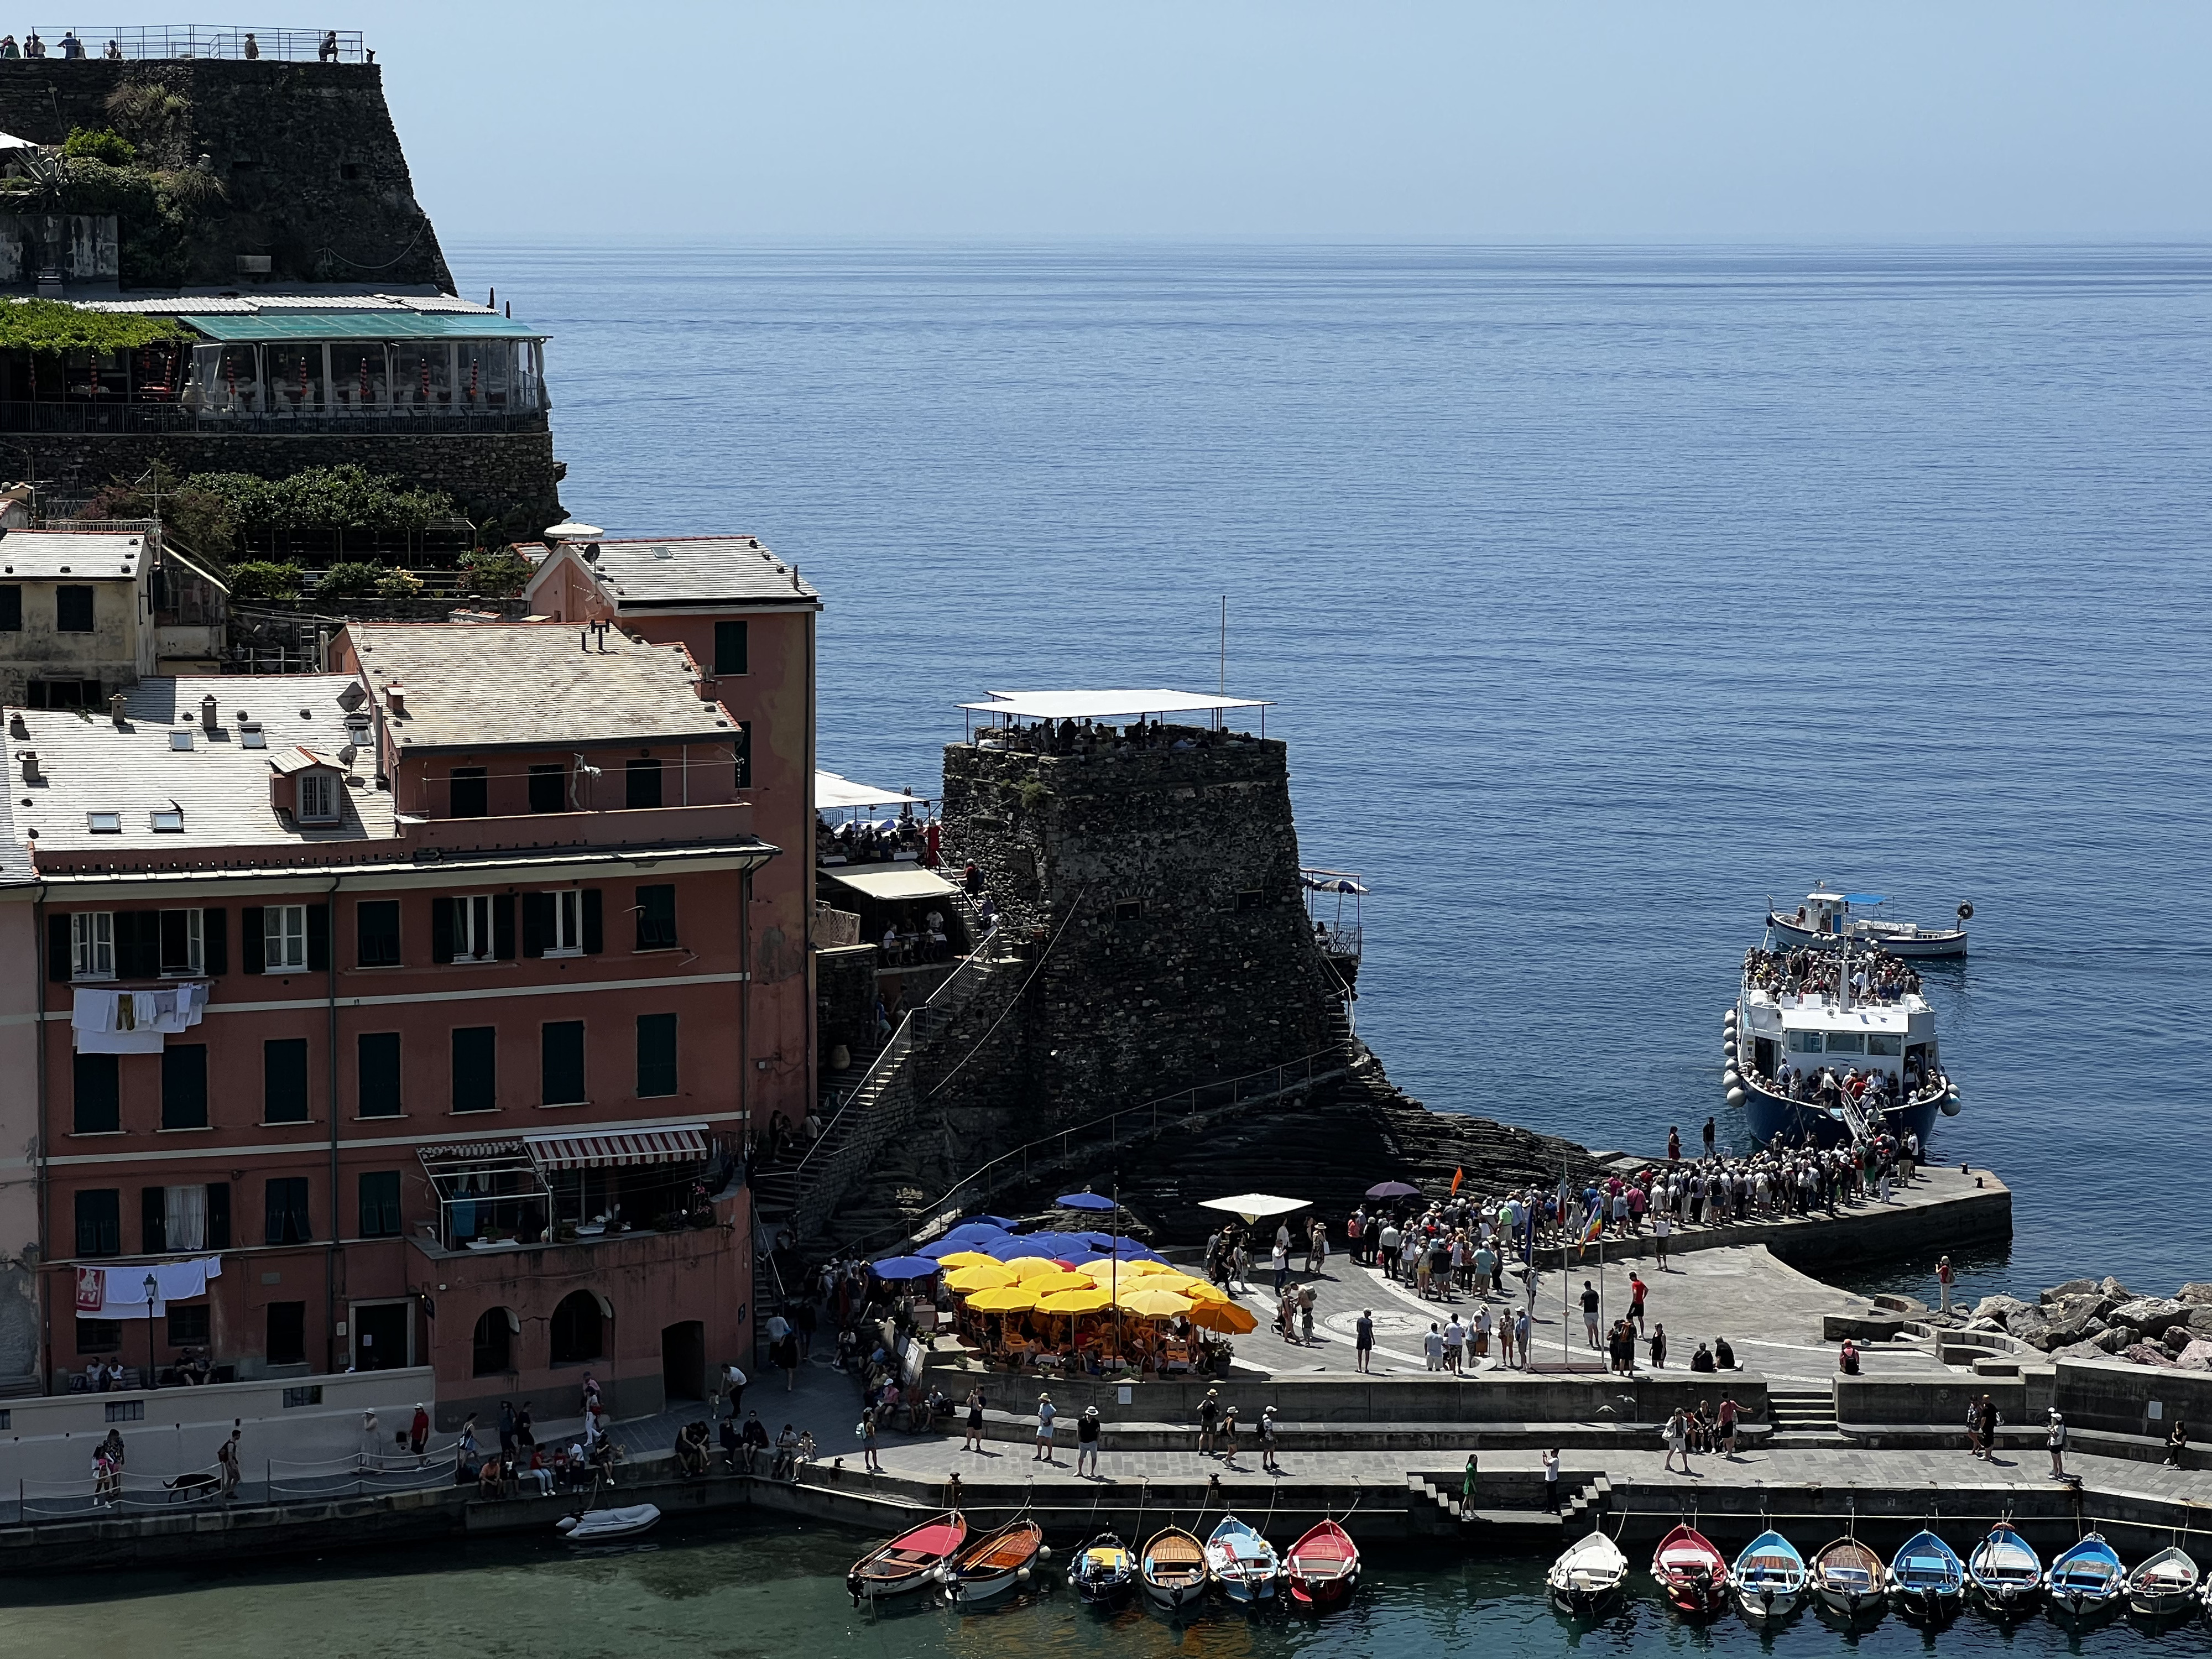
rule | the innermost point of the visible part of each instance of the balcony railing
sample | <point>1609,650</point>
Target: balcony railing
<point>210,40</point>
<point>22,415</point>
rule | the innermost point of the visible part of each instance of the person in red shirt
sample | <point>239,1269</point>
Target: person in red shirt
<point>1637,1292</point>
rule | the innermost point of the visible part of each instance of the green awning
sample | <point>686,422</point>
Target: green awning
<point>362,325</point>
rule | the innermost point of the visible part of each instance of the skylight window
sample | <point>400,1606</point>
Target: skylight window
<point>251,736</point>
<point>181,737</point>
<point>168,820</point>
<point>104,824</point>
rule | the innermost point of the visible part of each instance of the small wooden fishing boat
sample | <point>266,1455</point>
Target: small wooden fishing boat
<point>2006,1575</point>
<point>1691,1573</point>
<point>1322,1567</point>
<point>1588,1575</point>
<point>2086,1582</point>
<point>1927,1579</point>
<point>1173,1569</point>
<point>910,1561</point>
<point>1105,1571</point>
<point>1769,1579</point>
<point>607,1526</point>
<point>1242,1563</point>
<point>2163,1586</point>
<point>993,1564</point>
<point>1848,1580</point>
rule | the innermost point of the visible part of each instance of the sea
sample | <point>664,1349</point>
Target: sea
<point>1603,595</point>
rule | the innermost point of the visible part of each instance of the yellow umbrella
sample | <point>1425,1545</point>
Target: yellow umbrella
<point>1054,1283</point>
<point>1006,1298</point>
<point>1183,1284</point>
<point>1092,1300</point>
<point>966,1259</point>
<point>1141,1269</point>
<point>984,1276</point>
<point>1152,1305</point>
<point>1224,1316</point>
<point>1032,1267</point>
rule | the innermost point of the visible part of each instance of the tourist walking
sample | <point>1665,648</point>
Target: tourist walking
<point>2055,1440</point>
<point>1432,1345</point>
<point>1268,1441</point>
<point>226,1462</point>
<point>1228,1438</point>
<point>1660,1227</point>
<point>974,1441</point>
<point>1044,1429</point>
<point>1551,1481</point>
<point>1209,1418</point>
<point>1470,1482</point>
<point>1086,1442</point>
<point>1282,1261</point>
<point>418,1431</point>
<point>1362,1341</point>
<point>1677,1436</point>
<point>1590,1313</point>
<point>1638,1290</point>
<point>868,1441</point>
<point>1728,1412</point>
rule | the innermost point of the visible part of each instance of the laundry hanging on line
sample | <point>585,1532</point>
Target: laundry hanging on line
<point>134,1022</point>
<point>108,1292</point>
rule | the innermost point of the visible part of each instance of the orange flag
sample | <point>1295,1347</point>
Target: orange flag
<point>1458,1175</point>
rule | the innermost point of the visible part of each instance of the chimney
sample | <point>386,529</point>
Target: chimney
<point>30,759</point>
<point>207,713</point>
<point>15,726</point>
<point>115,711</point>
<point>395,699</point>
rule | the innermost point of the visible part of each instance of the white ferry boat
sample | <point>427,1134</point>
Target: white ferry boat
<point>1839,1045</point>
<point>1828,917</point>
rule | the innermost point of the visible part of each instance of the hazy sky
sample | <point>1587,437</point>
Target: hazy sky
<point>1573,118</point>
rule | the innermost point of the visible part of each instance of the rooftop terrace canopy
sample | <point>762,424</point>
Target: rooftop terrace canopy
<point>1106,705</point>
<point>376,325</point>
<point>833,792</point>
<point>887,882</point>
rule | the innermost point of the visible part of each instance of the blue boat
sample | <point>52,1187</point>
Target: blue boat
<point>1242,1563</point>
<point>1927,1579</point>
<point>2006,1575</point>
<point>1769,1580</point>
<point>2087,1583</point>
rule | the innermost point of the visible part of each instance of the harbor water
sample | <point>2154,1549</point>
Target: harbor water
<point>755,1593</point>
<point>1603,593</point>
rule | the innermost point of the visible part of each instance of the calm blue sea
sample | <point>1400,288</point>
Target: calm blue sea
<point>1603,593</point>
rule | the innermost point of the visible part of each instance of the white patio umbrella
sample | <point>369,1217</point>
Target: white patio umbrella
<point>1253,1206</point>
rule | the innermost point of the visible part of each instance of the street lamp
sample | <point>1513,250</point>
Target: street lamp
<point>153,1290</point>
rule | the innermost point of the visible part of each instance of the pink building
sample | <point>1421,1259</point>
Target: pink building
<point>434,998</point>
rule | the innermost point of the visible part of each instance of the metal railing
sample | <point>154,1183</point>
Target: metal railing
<point>93,417</point>
<point>206,40</point>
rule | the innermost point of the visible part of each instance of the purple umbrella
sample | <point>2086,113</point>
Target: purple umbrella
<point>1393,1190</point>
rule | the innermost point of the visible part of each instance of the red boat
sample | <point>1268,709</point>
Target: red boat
<point>1323,1566</point>
<point>910,1561</point>
<point>1691,1573</point>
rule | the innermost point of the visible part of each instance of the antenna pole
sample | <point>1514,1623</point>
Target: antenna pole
<point>1223,688</point>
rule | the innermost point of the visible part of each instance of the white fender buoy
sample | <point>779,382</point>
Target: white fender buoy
<point>1735,1096</point>
<point>1729,1079</point>
<point>1728,1017</point>
<point>1951,1102</point>
<point>1044,1551</point>
<point>1020,1575</point>
<point>1729,1048</point>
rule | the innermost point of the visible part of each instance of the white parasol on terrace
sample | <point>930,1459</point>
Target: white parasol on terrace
<point>1253,1206</point>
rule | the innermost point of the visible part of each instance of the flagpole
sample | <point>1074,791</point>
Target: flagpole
<point>1566,1362</point>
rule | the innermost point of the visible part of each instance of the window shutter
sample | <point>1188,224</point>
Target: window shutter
<point>218,1215</point>
<point>250,956</point>
<point>214,946</point>
<point>503,926</point>
<point>153,1219</point>
<point>442,930</point>
<point>537,922</point>
<point>137,945</point>
<point>594,933</point>
<point>58,952</point>
<point>319,937</point>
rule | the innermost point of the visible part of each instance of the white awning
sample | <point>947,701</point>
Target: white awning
<point>618,1149</point>
<point>887,882</point>
<point>1106,705</point>
<point>833,792</point>
<point>1253,1206</point>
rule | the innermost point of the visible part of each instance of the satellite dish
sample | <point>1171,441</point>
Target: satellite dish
<point>570,531</point>
<point>346,754</point>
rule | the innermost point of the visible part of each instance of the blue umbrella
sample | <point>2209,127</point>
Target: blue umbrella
<point>1099,1240</point>
<point>946,1247</point>
<point>906,1266</point>
<point>976,1230</point>
<point>1083,1202</point>
<point>1004,1223</point>
<point>1005,1250</point>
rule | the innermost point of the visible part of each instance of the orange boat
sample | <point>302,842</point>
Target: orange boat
<point>994,1563</point>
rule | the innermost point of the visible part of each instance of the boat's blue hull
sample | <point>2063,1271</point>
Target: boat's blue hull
<point>1771,1117</point>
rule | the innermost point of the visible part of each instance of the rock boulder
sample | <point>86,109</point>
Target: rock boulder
<point>2147,1353</point>
<point>2117,1291</point>
<point>2000,1308</point>
<point>2196,1357</point>
<point>2199,1291</point>
<point>2071,1287</point>
<point>2151,1315</point>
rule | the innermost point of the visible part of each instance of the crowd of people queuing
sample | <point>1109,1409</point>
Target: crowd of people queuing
<point>1073,737</point>
<point>1876,976</point>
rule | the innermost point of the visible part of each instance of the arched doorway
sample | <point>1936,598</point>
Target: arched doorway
<point>579,1330</point>
<point>493,1346</point>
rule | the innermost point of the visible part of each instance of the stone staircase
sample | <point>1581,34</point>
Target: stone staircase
<point>1804,1417</point>
<point>1569,1522</point>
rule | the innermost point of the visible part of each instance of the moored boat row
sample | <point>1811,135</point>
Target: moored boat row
<point>1925,1580</point>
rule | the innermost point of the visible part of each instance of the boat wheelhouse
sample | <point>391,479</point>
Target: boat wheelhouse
<point>1839,1054</point>
<point>1828,917</point>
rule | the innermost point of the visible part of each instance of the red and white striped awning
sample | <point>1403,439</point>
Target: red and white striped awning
<point>618,1149</point>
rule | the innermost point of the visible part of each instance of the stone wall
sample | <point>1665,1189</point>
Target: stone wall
<point>1158,890</point>
<point>491,475</point>
<point>316,179</point>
